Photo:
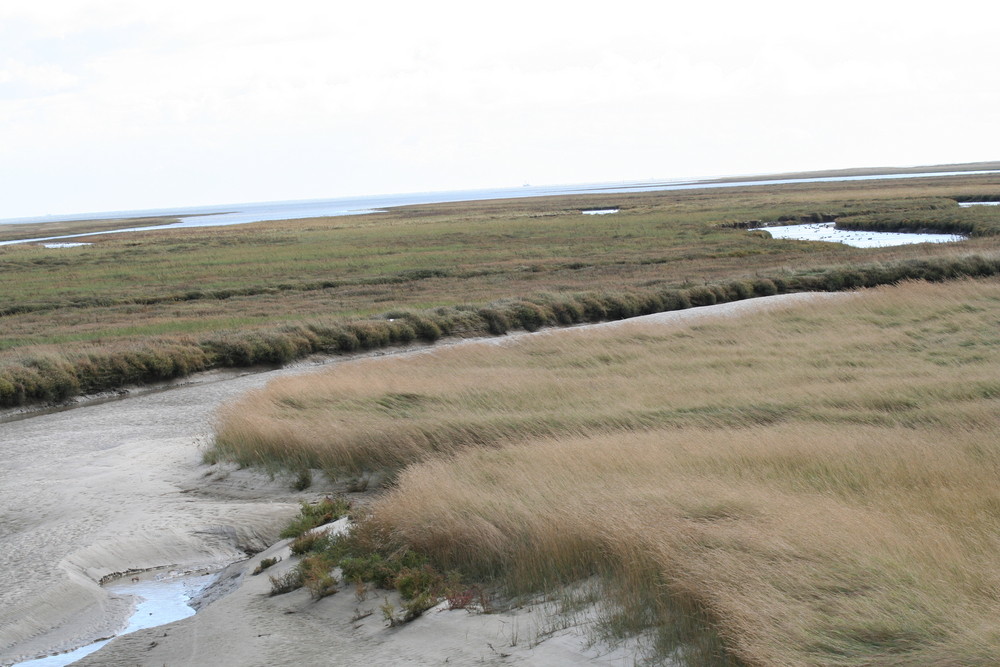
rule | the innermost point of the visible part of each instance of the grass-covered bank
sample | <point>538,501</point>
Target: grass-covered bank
<point>58,375</point>
<point>975,221</point>
<point>157,305</point>
<point>813,486</point>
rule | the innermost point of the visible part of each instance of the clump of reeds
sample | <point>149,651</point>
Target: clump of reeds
<point>972,221</point>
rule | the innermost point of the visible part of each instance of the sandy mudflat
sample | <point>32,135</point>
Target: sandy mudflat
<point>248,627</point>
<point>110,488</point>
<point>120,486</point>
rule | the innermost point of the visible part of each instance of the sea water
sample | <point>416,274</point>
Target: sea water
<point>237,214</point>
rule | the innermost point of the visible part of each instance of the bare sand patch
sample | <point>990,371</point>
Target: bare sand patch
<point>249,627</point>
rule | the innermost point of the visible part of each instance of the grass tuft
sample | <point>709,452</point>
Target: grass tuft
<point>317,514</point>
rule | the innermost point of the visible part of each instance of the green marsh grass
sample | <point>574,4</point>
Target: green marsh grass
<point>973,221</point>
<point>235,292</point>
<point>812,485</point>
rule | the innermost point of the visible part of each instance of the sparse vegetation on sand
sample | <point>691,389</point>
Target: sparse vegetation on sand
<point>809,486</point>
<point>365,557</point>
<point>155,306</point>
<point>316,514</point>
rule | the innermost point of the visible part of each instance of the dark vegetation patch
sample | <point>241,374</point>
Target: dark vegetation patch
<point>975,221</point>
<point>366,557</point>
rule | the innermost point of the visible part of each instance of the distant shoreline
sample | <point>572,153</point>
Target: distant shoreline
<point>870,171</point>
<point>25,229</point>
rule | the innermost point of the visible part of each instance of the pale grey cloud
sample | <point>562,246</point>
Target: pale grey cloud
<point>110,104</point>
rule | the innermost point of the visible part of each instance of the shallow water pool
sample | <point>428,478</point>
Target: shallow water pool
<point>826,231</point>
<point>160,599</point>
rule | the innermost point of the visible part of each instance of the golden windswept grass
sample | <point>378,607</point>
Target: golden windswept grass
<point>791,544</point>
<point>810,486</point>
<point>920,355</point>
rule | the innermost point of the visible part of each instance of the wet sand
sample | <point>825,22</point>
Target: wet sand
<point>115,487</point>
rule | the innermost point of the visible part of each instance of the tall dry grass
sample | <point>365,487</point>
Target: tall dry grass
<point>907,357</point>
<point>796,544</point>
<point>814,485</point>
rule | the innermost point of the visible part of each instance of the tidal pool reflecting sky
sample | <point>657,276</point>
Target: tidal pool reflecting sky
<point>115,104</point>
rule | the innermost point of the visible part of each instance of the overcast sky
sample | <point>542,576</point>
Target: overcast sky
<point>121,104</point>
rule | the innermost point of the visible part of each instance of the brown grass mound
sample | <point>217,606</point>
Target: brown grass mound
<point>785,545</point>
<point>812,486</point>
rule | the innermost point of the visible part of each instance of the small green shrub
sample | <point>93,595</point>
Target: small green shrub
<point>621,306</point>
<point>740,289</point>
<point>401,332</point>
<point>412,609</point>
<point>530,316</point>
<point>311,516</point>
<point>424,328</point>
<point>309,542</point>
<point>496,322</point>
<point>8,392</point>
<point>702,296</point>
<point>567,312</point>
<point>675,299</point>
<point>317,576</point>
<point>370,567</point>
<point>364,556</point>
<point>389,614</point>
<point>650,303</point>
<point>764,287</point>
<point>287,582</point>
<point>721,293</point>
<point>417,605</point>
<point>264,564</point>
<point>593,309</point>
<point>304,480</point>
<point>412,582</point>
<point>372,334</point>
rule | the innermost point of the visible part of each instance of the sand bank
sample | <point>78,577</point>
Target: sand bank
<point>249,627</point>
<point>113,488</point>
